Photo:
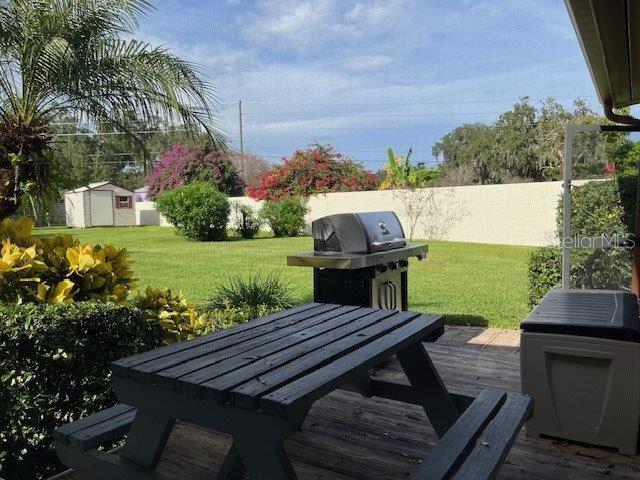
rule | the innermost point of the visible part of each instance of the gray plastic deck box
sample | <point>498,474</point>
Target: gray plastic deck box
<point>580,359</point>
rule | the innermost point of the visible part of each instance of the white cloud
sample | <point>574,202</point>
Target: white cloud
<point>380,12</point>
<point>298,25</point>
<point>360,69</point>
<point>477,15</point>
<point>367,62</point>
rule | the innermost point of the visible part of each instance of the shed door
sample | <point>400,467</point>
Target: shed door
<point>101,208</point>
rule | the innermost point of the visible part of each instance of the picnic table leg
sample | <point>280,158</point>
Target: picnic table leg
<point>147,438</point>
<point>428,386</point>
<point>265,460</point>
<point>232,468</point>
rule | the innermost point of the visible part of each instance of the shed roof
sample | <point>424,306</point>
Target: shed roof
<point>95,185</point>
<point>609,34</point>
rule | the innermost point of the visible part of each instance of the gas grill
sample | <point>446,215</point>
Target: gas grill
<point>360,259</point>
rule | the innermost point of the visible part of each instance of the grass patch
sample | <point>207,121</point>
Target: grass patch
<point>473,284</point>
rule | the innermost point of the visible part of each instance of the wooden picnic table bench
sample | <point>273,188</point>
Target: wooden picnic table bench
<point>257,382</point>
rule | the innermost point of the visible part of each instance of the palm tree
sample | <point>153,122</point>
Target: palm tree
<point>77,56</point>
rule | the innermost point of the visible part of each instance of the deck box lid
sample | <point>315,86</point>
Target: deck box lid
<point>610,314</point>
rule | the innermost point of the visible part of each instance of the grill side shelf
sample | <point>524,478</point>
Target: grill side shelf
<point>350,261</point>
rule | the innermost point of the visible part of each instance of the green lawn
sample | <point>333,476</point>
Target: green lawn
<point>471,283</point>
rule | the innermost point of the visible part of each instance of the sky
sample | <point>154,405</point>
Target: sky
<point>363,75</point>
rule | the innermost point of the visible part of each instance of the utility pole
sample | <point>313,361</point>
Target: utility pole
<point>240,122</point>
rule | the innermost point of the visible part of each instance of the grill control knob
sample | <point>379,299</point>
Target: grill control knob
<point>381,268</point>
<point>393,265</point>
<point>404,263</point>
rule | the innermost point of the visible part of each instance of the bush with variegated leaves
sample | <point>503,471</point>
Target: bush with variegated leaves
<point>178,318</point>
<point>59,268</point>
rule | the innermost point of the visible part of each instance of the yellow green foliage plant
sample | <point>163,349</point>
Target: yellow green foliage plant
<point>179,319</point>
<point>59,269</point>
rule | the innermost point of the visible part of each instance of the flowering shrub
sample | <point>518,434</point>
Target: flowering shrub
<point>59,269</point>
<point>183,164</point>
<point>318,169</point>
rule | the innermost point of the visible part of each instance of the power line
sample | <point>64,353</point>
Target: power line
<point>373,104</point>
<point>92,134</point>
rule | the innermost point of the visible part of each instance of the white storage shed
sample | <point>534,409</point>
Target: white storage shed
<point>101,204</point>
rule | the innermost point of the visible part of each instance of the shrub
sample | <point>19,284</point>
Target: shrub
<point>54,369</point>
<point>178,318</point>
<point>59,269</point>
<point>255,295</point>
<point>598,208</point>
<point>247,223</point>
<point>318,169</point>
<point>545,272</point>
<point>197,210</point>
<point>286,217</point>
<point>183,164</point>
<point>226,317</point>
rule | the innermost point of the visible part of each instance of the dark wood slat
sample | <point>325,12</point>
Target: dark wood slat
<point>248,394</point>
<point>206,366</point>
<point>349,324</point>
<point>120,367</point>
<point>103,432</point>
<point>231,346</point>
<point>266,354</point>
<point>450,451</point>
<point>62,433</point>
<point>318,383</point>
<point>494,443</point>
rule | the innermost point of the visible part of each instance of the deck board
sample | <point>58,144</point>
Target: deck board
<point>348,437</point>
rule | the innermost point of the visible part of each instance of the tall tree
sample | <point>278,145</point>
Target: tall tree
<point>526,143</point>
<point>76,56</point>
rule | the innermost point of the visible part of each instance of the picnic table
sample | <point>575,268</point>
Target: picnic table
<point>257,382</point>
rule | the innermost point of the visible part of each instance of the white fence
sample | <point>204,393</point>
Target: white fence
<point>516,214</point>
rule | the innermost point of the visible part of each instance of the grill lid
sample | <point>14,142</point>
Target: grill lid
<point>358,232</point>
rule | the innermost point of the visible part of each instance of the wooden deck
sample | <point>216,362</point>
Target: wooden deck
<point>348,437</point>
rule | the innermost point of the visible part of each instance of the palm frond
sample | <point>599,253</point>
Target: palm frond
<point>71,54</point>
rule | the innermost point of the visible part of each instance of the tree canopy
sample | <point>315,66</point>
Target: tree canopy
<point>526,143</point>
<point>76,57</point>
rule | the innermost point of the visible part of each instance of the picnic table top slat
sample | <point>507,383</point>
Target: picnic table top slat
<point>243,367</point>
<point>319,382</point>
<point>166,357</point>
<point>350,323</point>
<point>276,361</point>
<point>212,353</point>
<point>124,364</point>
<point>248,394</point>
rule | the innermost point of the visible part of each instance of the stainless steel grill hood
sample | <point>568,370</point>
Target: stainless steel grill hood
<point>368,232</point>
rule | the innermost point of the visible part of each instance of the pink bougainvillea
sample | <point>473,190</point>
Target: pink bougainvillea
<point>318,169</point>
<point>182,164</point>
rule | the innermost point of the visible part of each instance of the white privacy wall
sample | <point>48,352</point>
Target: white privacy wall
<point>515,214</point>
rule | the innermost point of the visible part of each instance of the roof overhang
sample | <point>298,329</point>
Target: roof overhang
<point>609,34</point>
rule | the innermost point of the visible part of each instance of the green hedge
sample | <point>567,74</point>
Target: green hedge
<point>197,210</point>
<point>598,208</point>
<point>55,368</point>
<point>545,272</point>
<point>286,217</point>
<point>590,268</point>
